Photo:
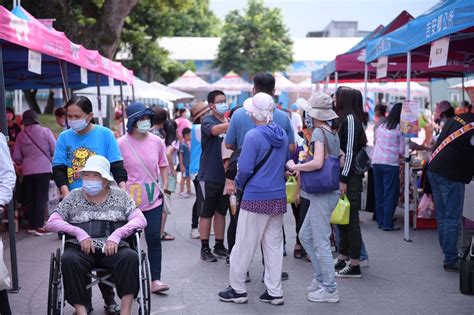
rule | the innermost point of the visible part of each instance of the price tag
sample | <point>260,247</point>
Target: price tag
<point>382,67</point>
<point>439,53</point>
<point>84,79</point>
<point>34,61</point>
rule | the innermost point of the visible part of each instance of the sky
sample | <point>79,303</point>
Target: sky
<point>303,16</point>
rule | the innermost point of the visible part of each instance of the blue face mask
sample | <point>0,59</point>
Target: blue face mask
<point>92,187</point>
<point>78,125</point>
<point>309,122</point>
<point>222,108</point>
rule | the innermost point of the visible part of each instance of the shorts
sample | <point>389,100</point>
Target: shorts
<point>186,172</point>
<point>214,200</point>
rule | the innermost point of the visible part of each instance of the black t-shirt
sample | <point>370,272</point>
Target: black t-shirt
<point>456,160</point>
<point>212,167</point>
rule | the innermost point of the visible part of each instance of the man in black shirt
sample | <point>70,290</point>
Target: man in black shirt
<point>450,168</point>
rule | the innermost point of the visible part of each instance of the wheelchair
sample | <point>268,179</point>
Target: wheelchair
<point>56,300</point>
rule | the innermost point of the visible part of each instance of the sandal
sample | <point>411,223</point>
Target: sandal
<point>298,252</point>
<point>167,237</point>
<point>158,287</point>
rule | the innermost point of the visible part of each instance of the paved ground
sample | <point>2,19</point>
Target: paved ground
<point>403,278</point>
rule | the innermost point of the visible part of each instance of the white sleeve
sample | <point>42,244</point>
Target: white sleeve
<point>7,172</point>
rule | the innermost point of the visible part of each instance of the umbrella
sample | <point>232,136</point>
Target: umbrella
<point>189,81</point>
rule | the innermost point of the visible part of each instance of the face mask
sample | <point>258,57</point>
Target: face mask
<point>92,187</point>
<point>309,122</point>
<point>143,126</point>
<point>222,108</point>
<point>78,125</point>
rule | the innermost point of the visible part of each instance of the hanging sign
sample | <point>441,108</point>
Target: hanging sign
<point>34,61</point>
<point>382,67</point>
<point>111,81</point>
<point>84,76</point>
<point>409,119</point>
<point>439,53</point>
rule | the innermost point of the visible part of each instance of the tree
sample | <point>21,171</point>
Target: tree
<point>256,41</point>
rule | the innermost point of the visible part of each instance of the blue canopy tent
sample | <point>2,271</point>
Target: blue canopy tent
<point>411,45</point>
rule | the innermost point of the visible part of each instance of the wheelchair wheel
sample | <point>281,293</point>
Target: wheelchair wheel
<point>54,288</point>
<point>146,280</point>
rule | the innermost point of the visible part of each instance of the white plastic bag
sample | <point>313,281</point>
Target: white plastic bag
<point>426,207</point>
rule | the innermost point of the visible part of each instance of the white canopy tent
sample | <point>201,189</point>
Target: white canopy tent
<point>282,84</point>
<point>172,94</point>
<point>232,84</point>
<point>190,82</point>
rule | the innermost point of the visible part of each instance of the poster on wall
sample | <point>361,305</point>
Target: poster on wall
<point>409,118</point>
<point>439,53</point>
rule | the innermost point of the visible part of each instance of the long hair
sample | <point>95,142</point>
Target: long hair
<point>170,128</point>
<point>349,102</point>
<point>393,118</point>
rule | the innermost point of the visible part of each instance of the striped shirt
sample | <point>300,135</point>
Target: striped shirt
<point>389,146</point>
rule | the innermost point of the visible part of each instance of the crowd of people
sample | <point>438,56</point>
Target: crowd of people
<point>237,160</point>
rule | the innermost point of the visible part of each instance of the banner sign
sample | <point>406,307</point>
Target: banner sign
<point>84,79</point>
<point>409,118</point>
<point>34,61</point>
<point>382,67</point>
<point>439,53</point>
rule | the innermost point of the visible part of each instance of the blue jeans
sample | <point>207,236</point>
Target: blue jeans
<point>315,236</point>
<point>153,240</point>
<point>387,192</point>
<point>448,197</point>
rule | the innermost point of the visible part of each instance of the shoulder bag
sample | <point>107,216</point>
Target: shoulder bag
<point>48,156</point>
<point>324,180</point>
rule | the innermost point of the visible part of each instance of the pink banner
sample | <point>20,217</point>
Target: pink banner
<point>32,34</point>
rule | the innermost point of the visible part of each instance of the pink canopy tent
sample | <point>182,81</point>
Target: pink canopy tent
<point>26,31</point>
<point>232,84</point>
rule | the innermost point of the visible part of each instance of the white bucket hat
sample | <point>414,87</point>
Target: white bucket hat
<point>260,103</point>
<point>319,106</point>
<point>99,164</point>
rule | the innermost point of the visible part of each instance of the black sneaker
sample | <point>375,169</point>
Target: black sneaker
<point>349,272</point>
<point>340,264</point>
<point>206,255</point>
<point>221,252</point>
<point>274,300</point>
<point>229,295</point>
<point>454,267</point>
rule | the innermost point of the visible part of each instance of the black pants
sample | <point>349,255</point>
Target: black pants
<point>198,204</point>
<point>232,229</point>
<point>4,304</point>
<point>36,188</point>
<point>75,265</point>
<point>299,212</point>
<point>350,235</point>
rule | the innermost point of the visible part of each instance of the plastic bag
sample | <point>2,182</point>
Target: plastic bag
<point>4,275</point>
<point>426,207</point>
<point>291,189</point>
<point>341,213</point>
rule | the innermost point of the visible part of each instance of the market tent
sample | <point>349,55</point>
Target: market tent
<point>232,84</point>
<point>190,82</point>
<point>172,94</point>
<point>282,84</point>
<point>141,91</point>
<point>306,85</point>
<point>468,87</point>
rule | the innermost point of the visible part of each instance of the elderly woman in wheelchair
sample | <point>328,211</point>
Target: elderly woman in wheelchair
<point>98,218</point>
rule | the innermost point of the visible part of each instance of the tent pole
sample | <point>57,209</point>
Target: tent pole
<point>462,90</point>
<point>63,69</point>
<point>11,212</point>
<point>133,93</point>
<point>336,80</point>
<point>99,103</point>
<point>366,78</point>
<point>406,229</point>
<point>122,107</point>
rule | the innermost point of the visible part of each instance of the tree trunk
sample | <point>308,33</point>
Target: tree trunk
<point>30,96</point>
<point>49,109</point>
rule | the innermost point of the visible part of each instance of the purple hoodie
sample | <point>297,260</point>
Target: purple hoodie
<point>269,182</point>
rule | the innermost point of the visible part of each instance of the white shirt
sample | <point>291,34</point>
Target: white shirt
<point>296,122</point>
<point>7,172</point>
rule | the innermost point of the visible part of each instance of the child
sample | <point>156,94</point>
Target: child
<point>184,161</point>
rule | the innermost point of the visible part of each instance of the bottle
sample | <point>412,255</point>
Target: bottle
<point>233,204</point>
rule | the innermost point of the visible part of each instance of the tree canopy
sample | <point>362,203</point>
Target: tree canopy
<point>254,41</point>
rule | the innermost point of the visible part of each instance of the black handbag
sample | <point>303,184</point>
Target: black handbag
<point>466,270</point>
<point>362,162</point>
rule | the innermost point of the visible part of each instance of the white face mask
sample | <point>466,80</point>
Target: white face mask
<point>143,126</point>
<point>78,125</point>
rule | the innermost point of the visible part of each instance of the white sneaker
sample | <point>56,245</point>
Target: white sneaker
<point>364,263</point>
<point>195,234</point>
<point>314,286</point>
<point>183,195</point>
<point>322,295</point>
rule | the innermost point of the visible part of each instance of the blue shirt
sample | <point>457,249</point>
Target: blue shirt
<point>212,167</point>
<point>195,149</point>
<point>241,123</point>
<point>73,150</point>
<point>184,150</point>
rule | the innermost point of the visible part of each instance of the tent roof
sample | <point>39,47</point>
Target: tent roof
<point>189,81</point>
<point>174,93</point>
<point>232,82</point>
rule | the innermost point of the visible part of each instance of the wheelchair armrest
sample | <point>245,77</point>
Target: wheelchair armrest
<point>139,231</point>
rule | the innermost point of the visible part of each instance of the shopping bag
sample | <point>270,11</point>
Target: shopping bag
<point>291,189</point>
<point>4,275</point>
<point>340,214</point>
<point>426,207</point>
